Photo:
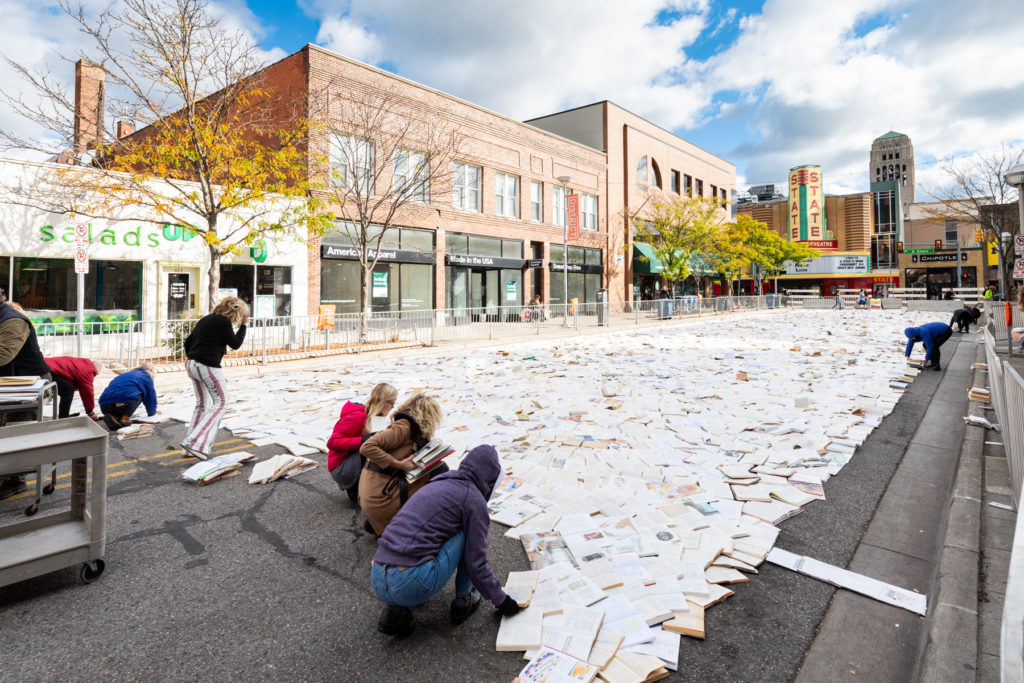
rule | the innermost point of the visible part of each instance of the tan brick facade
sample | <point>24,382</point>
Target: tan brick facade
<point>493,142</point>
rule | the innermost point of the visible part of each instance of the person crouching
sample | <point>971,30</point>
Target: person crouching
<point>441,531</point>
<point>963,317</point>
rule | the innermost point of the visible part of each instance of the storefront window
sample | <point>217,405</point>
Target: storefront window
<point>273,288</point>
<point>484,246</point>
<point>512,287</point>
<point>339,285</point>
<point>418,240</point>
<point>512,249</point>
<point>49,288</point>
<point>456,243</point>
<point>417,286</point>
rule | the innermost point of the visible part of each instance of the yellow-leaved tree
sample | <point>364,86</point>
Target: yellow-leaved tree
<point>219,152</point>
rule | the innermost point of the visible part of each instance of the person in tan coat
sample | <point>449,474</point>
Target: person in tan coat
<point>382,487</point>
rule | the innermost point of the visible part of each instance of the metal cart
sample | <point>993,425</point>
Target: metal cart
<point>46,389</point>
<point>74,536</point>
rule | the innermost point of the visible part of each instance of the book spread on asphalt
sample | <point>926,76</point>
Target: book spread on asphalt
<point>523,631</point>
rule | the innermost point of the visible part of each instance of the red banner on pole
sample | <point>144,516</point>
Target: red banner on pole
<point>573,202</point>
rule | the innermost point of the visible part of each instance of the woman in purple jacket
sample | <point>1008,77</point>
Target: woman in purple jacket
<point>441,530</point>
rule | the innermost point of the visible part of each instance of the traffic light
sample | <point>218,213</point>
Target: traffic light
<point>899,247</point>
<point>979,235</point>
<point>938,245</point>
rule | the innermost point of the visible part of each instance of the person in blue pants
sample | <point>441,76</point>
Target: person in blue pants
<point>440,531</point>
<point>933,336</point>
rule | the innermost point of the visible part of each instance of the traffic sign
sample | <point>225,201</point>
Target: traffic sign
<point>1018,269</point>
<point>81,261</point>
<point>81,236</point>
<point>919,251</point>
<point>1018,244</point>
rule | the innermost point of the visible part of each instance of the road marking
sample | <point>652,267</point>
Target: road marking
<point>32,482</point>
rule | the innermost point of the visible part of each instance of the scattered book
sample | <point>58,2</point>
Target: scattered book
<point>523,631</point>
<point>278,466</point>
<point>223,466</point>
<point>520,585</point>
<point>552,666</point>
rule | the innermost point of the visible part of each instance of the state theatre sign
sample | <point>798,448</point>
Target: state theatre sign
<point>806,206</point>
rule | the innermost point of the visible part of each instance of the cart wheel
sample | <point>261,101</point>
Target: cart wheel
<point>32,509</point>
<point>48,489</point>
<point>90,574</point>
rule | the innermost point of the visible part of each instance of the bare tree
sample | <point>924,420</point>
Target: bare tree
<point>219,154</point>
<point>979,194</point>
<point>390,159</point>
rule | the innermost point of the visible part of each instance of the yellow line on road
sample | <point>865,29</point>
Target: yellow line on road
<point>32,482</point>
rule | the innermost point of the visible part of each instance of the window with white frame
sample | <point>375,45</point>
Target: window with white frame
<point>537,201</point>
<point>466,187</point>
<point>506,195</point>
<point>588,212</point>
<point>352,163</point>
<point>558,205</point>
<point>411,175</point>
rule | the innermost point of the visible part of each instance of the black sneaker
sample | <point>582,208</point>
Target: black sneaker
<point>395,621</point>
<point>934,367</point>
<point>464,605</point>
<point>12,487</point>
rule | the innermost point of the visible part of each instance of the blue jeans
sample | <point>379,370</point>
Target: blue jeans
<point>412,586</point>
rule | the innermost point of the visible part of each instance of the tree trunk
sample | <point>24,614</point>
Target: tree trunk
<point>213,277</point>
<point>364,299</point>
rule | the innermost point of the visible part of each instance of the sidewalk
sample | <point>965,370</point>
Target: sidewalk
<point>933,532</point>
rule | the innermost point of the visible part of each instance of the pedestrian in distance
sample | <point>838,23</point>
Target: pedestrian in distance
<point>125,394</point>
<point>949,295</point>
<point>205,348</point>
<point>75,374</point>
<point>19,355</point>
<point>933,336</point>
<point>838,302</point>
<point>963,317</point>
<point>442,531</point>
<point>990,292</point>
<point>862,299</point>
<point>383,488</point>
<point>353,428</point>
<point>1018,332</point>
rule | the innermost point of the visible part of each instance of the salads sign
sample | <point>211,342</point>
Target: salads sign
<point>151,238</point>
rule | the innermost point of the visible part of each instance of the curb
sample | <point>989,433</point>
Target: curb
<point>951,646</point>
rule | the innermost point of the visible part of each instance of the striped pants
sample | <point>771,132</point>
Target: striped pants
<point>209,386</point>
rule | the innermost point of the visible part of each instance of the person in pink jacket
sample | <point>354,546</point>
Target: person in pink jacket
<point>343,459</point>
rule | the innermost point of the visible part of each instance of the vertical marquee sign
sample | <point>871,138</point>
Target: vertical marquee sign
<point>806,204</point>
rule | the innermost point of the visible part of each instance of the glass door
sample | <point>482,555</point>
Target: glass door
<point>458,295</point>
<point>179,290</point>
<point>492,292</point>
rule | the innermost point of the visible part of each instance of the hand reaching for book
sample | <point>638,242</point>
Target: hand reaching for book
<point>509,607</point>
<point>405,465</point>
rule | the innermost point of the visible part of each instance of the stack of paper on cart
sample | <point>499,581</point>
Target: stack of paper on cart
<point>647,471</point>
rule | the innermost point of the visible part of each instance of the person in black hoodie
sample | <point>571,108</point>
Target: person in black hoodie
<point>19,355</point>
<point>963,317</point>
<point>205,349</point>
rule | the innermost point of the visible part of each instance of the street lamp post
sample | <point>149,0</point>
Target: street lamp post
<point>1014,178</point>
<point>565,180</point>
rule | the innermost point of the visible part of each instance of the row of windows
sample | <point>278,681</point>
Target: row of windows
<point>681,183</point>
<point>352,166</point>
<point>468,181</point>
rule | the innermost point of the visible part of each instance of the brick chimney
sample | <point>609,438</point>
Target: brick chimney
<point>124,129</point>
<point>89,86</point>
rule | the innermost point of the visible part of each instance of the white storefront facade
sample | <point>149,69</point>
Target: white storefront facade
<point>137,269</point>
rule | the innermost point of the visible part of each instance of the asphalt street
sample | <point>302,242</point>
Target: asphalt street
<point>240,582</point>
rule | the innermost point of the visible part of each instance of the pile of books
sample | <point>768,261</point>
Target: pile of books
<point>428,457</point>
<point>978,394</point>
<point>215,469</point>
<point>279,466</point>
<point>19,381</point>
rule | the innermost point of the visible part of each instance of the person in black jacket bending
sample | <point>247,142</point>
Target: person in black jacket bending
<point>205,349</point>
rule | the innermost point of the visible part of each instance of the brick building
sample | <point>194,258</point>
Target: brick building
<point>471,247</point>
<point>642,157</point>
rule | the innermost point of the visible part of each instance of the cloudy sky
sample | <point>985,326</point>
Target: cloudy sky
<point>767,85</point>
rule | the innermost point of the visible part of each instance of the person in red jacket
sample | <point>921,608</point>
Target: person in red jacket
<point>343,459</point>
<point>73,374</point>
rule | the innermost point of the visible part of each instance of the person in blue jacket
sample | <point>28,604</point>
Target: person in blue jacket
<point>933,336</point>
<point>123,395</point>
<point>441,530</point>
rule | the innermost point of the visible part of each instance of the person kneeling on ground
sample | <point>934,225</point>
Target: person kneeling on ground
<point>344,462</point>
<point>383,488</point>
<point>963,317</point>
<point>933,335</point>
<point>123,395</point>
<point>73,374</point>
<point>443,530</point>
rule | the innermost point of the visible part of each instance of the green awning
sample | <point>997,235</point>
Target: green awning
<point>645,260</point>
